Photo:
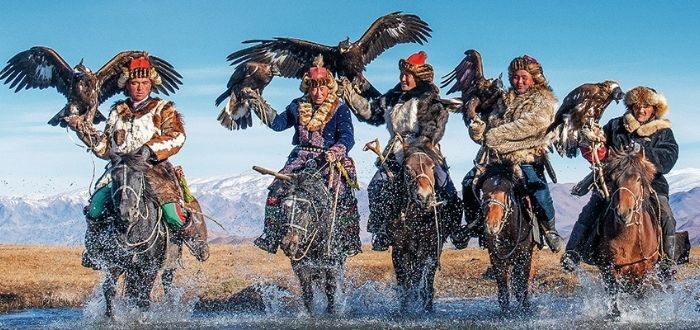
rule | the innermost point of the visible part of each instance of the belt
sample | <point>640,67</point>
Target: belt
<point>312,149</point>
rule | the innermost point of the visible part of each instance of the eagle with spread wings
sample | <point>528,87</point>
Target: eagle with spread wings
<point>291,58</point>
<point>42,67</point>
<point>580,111</point>
<point>479,94</point>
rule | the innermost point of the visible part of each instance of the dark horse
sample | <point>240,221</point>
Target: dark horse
<point>508,236</point>
<point>309,210</point>
<point>418,237</point>
<point>136,242</point>
<point>630,242</point>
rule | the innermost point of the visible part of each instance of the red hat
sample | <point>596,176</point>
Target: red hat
<point>318,75</point>
<point>139,63</point>
<point>415,65</point>
<point>139,67</point>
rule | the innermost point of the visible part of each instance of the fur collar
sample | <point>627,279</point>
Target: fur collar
<point>422,89</point>
<point>315,120</point>
<point>633,126</point>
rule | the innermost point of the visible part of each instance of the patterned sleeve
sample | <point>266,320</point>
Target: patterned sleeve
<point>172,133</point>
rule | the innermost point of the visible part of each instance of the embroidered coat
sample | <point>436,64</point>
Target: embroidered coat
<point>154,123</point>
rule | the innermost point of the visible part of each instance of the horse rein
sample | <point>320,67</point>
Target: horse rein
<point>507,211</point>
<point>638,201</point>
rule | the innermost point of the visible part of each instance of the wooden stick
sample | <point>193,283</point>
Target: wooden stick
<point>266,171</point>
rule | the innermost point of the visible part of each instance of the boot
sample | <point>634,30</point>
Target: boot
<point>667,265</point>
<point>194,241</point>
<point>551,236</point>
<point>381,241</point>
<point>460,237</point>
<point>572,256</point>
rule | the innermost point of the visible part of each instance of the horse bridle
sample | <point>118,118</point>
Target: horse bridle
<point>434,205</point>
<point>507,211</point>
<point>422,170</point>
<point>291,224</point>
<point>638,200</point>
<point>152,238</point>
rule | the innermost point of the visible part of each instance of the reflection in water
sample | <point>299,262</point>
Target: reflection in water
<point>375,305</point>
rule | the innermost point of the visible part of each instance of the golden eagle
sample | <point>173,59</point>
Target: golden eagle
<point>41,67</point>
<point>478,93</point>
<point>253,75</point>
<point>581,109</point>
<point>293,57</point>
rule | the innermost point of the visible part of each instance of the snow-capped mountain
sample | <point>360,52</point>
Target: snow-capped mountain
<point>237,204</point>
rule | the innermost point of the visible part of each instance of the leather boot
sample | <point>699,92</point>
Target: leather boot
<point>551,236</point>
<point>572,256</point>
<point>667,265</point>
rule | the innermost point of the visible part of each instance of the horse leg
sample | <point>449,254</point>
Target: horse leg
<point>139,283</point>
<point>502,272</point>
<point>332,279</point>
<point>167,280</point>
<point>109,289</point>
<point>521,281</point>
<point>304,274</point>
<point>402,277</point>
<point>427,287</point>
<point>612,288</point>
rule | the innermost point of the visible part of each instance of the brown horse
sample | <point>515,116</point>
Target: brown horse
<point>417,234</point>
<point>630,242</point>
<point>508,235</point>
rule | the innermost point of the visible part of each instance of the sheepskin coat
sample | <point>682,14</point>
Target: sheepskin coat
<point>515,133</point>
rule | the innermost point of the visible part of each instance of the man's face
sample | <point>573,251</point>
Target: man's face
<point>139,88</point>
<point>521,81</point>
<point>642,112</point>
<point>408,81</point>
<point>319,94</point>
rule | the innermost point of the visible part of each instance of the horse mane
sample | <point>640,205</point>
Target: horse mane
<point>621,162</point>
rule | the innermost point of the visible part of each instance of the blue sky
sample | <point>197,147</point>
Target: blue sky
<point>636,43</point>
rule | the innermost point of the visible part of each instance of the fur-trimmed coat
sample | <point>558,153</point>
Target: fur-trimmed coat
<point>416,116</point>
<point>515,133</point>
<point>154,123</point>
<point>655,136</point>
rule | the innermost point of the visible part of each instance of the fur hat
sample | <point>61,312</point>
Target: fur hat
<point>415,65</point>
<point>646,96</point>
<point>317,76</point>
<point>139,67</point>
<point>529,64</point>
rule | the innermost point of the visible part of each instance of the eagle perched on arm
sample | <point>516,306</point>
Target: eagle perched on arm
<point>478,93</point>
<point>42,67</point>
<point>581,109</point>
<point>291,57</point>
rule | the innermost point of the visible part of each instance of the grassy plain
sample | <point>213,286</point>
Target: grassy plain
<point>51,276</point>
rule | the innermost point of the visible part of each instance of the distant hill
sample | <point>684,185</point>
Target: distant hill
<point>237,203</point>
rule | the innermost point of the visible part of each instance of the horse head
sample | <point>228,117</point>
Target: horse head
<point>306,208</point>
<point>629,174</point>
<point>497,191</point>
<point>419,177</point>
<point>129,188</point>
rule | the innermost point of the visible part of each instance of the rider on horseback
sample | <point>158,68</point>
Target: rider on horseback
<point>416,118</point>
<point>514,135</point>
<point>323,136</point>
<point>642,126</point>
<point>151,129</point>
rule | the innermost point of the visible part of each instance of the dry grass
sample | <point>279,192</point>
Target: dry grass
<point>43,276</point>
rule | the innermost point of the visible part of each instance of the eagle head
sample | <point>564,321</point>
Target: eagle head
<point>81,69</point>
<point>616,92</point>
<point>345,45</point>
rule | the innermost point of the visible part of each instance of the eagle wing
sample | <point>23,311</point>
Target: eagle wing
<point>292,57</point>
<point>236,113</point>
<point>390,30</point>
<point>108,75</point>
<point>38,67</point>
<point>466,76</point>
<point>576,111</point>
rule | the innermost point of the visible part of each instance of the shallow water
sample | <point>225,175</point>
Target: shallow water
<point>372,306</point>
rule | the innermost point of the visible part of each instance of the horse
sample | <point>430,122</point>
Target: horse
<point>136,242</point>
<point>630,243</point>
<point>309,208</point>
<point>508,237</point>
<point>417,233</point>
